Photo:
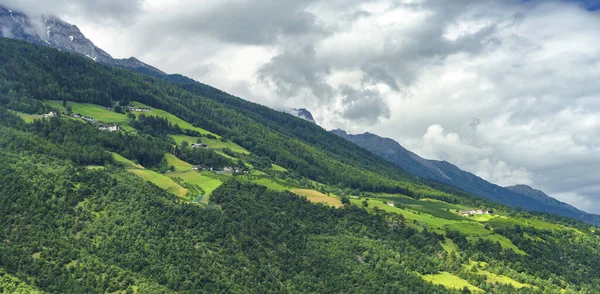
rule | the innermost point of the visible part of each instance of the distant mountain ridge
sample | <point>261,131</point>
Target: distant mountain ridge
<point>447,173</point>
<point>53,32</point>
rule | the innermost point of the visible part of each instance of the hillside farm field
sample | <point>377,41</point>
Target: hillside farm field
<point>318,197</point>
<point>126,163</point>
<point>160,180</point>
<point>193,177</point>
<point>271,184</point>
<point>178,164</point>
<point>451,281</point>
<point>94,111</point>
<point>212,143</point>
<point>473,230</point>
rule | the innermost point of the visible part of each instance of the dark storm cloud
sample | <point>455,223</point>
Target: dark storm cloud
<point>366,106</point>
<point>246,22</point>
<point>297,70</point>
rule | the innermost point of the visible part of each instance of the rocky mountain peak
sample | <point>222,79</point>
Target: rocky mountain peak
<point>54,32</point>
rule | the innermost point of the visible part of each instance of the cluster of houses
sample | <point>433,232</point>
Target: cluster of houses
<point>114,128</point>
<point>86,118</point>
<point>50,114</point>
<point>139,109</point>
<point>474,212</point>
<point>199,145</point>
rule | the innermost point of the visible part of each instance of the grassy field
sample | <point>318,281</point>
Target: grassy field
<point>160,180</point>
<point>28,118</point>
<point>449,246</point>
<point>473,230</point>
<point>177,163</point>
<point>212,143</point>
<point>492,278</point>
<point>451,281</point>
<point>92,110</point>
<point>278,168</point>
<point>171,118</point>
<point>318,197</point>
<point>193,177</point>
<point>126,163</point>
<point>96,112</point>
<point>271,184</point>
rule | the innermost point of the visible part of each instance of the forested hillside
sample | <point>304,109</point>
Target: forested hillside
<point>196,194</point>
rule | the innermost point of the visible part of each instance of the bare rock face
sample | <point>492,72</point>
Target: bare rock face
<point>53,32</point>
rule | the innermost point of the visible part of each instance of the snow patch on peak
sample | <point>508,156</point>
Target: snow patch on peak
<point>71,37</point>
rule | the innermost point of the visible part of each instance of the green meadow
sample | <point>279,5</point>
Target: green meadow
<point>272,184</point>
<point>193,177</point>
<point>178,164</point>
<point>451,281</point>
<point>160,180</point>
<point>415,214</point>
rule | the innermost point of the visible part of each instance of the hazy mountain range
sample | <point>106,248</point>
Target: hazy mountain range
<point>447,173</point>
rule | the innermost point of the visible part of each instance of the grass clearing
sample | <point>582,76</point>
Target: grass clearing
<point>170,117</point>
<point>278,168</point>
<point>126,163</point>
<point>318,197</point>
<point>492,278</point>
<point>449,246</point>
<point>28,118</point>
<point>193,177</point>
<point>94,167</point>
<point>451,281</point>
<point>160,180</point>
<point>271,184</point>
<point>97,112</point>
<point>177,163</point>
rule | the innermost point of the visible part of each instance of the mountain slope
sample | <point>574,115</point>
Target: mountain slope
<point>444,172</point>
<point>73,219</point>
<point>53,32</point>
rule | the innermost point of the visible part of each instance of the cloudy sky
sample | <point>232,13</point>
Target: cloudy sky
<point>508,90</point>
